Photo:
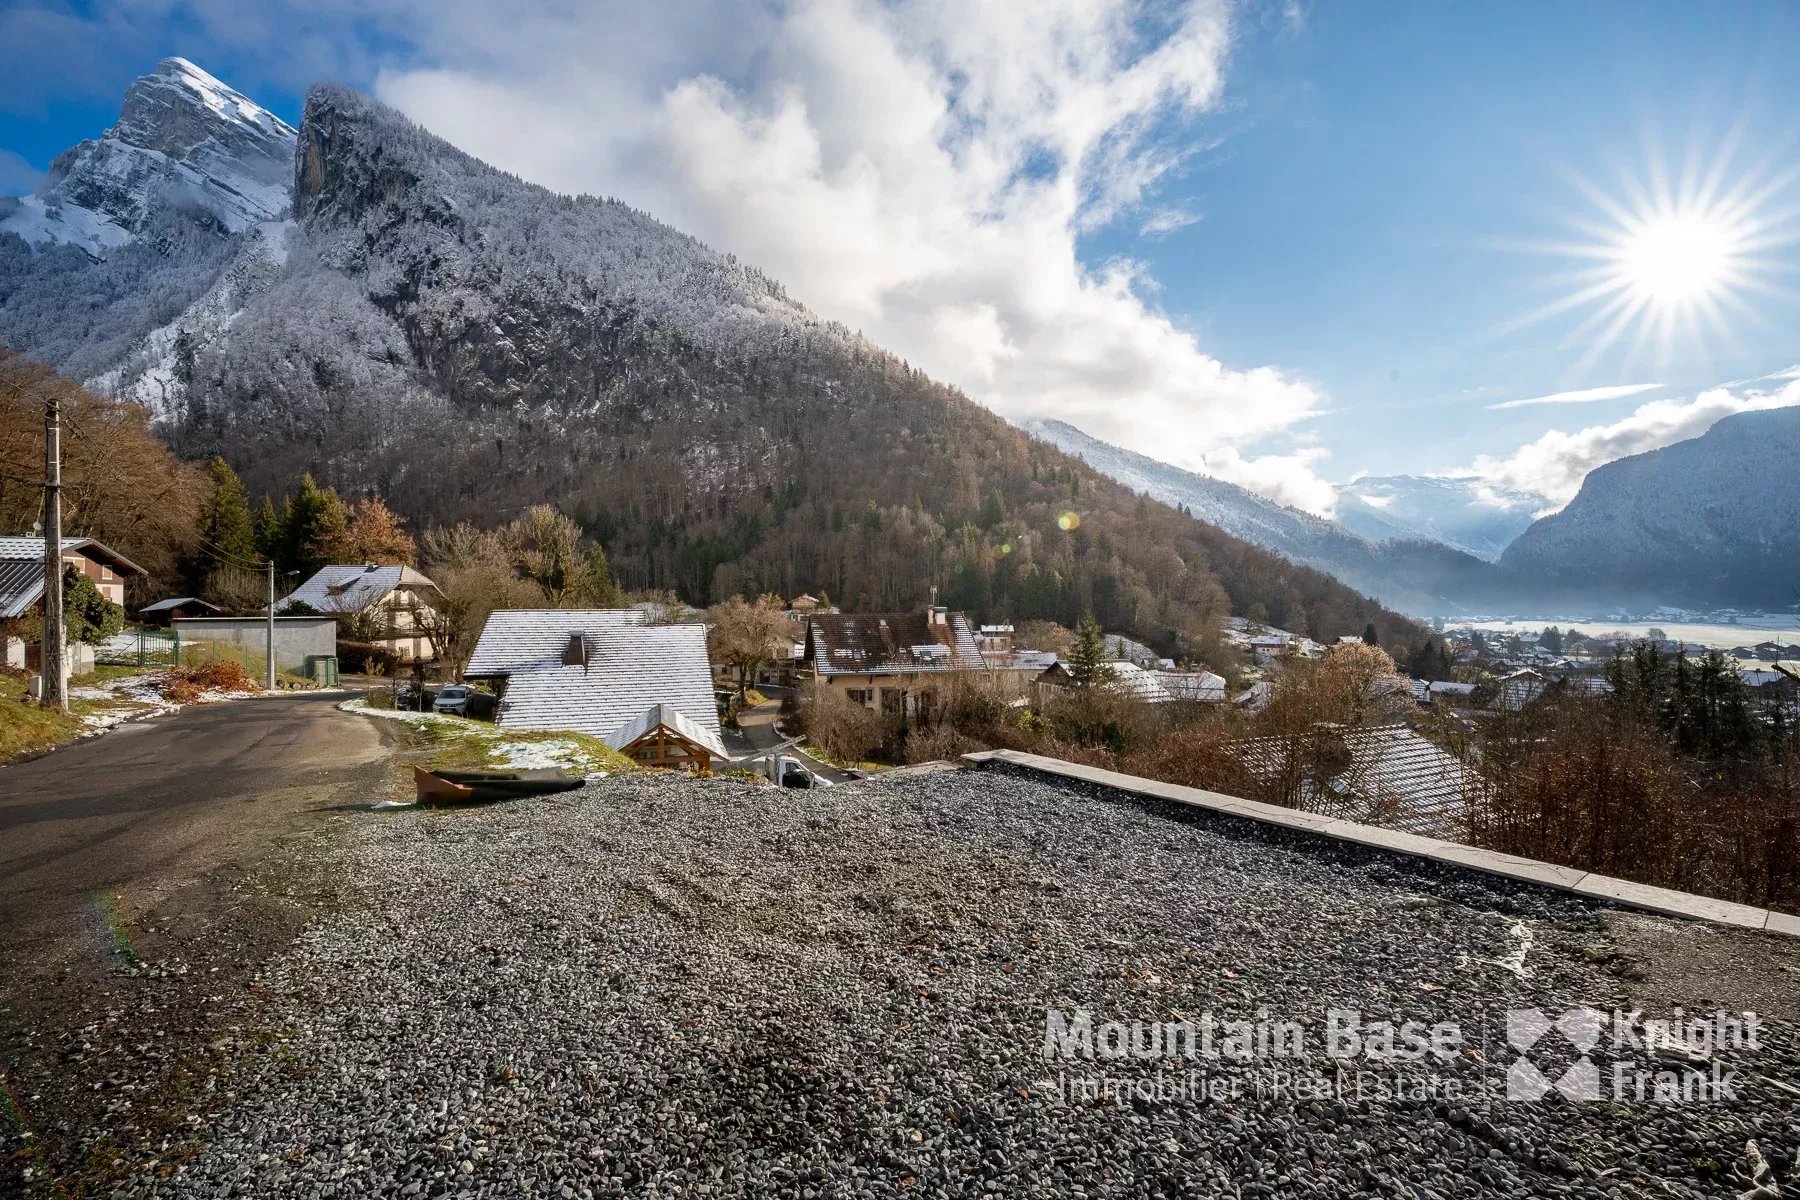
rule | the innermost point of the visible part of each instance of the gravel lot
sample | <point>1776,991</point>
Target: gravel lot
<point>657,986</point>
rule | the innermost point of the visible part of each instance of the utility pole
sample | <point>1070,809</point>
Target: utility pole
<point>55,648</point>
<point>269,682</point>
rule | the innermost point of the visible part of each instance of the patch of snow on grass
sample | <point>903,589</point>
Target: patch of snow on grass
<point>529,756</point>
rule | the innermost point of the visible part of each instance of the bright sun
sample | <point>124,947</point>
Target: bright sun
<point>1673,258</point>
<point>1678,259</point>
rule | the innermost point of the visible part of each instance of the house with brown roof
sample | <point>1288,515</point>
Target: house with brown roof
<point>893,662</point>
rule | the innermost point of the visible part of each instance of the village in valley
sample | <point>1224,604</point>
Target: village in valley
<point>798,693</point>
<point>551,722</point>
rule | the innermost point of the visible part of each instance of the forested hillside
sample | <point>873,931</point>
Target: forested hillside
<point>466,344</point>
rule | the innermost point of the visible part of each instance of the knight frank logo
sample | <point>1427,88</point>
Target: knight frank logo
<point>1660,1061</point>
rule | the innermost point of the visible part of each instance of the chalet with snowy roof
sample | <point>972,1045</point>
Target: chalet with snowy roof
<point>1194,687</point>
<point>643,688</point>
<point>393,607</point>
<point>1442,691</point>
<point>1152,687</point>
<point>1525,686</point>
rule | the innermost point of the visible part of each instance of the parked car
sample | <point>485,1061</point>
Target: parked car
<point>454,698</point>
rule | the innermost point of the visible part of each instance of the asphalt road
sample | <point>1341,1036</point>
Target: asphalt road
<point>110,827</point>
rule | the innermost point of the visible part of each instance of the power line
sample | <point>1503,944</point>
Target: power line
<point>230,557</point>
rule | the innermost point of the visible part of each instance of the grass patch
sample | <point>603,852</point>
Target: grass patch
<point>104,674</point>
<point>26,728</point>
<point>438,741</point>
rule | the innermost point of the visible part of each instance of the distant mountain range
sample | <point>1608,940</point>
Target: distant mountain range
<point>359,299</point>
<point>1415,573</point>
<point>1460,512</point>
<point>1709,522</point>
<point>1712,522</point>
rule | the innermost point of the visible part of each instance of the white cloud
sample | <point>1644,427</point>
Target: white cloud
<point>1555,464</point>
<point>920,170</point>
<point>1290,479</point>
<point>1163,221</point>
<point>17,177</point>
<point>1583,396</point>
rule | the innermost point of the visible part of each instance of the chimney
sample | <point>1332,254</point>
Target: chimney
<point>575,653</point>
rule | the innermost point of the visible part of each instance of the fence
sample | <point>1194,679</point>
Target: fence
<point>140,648</point>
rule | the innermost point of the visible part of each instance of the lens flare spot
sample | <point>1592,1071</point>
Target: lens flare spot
<point>1069,520</point>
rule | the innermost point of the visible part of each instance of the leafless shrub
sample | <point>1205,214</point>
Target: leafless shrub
<point>846,731</point>
<point>940,743</point>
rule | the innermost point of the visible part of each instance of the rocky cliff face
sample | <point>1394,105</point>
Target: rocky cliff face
<point>1710,521</point>
<point>183,141</point>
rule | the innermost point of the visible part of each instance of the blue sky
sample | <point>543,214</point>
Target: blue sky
<point>1285,243</point>
<point>1379,168</point>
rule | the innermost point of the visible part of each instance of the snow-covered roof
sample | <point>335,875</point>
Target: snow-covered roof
<point>1129,679</point>
<point>1203,686</point>
<point>177,602</point>
<point>1394,777</point>
<point>630,666</point>
<point>1256,697</point>
<point>33,547</point>
<point>351,589</point>
<point>891,643</point>
<point>1121,647</point>
<point>528,639</point>
<point>669,717</point>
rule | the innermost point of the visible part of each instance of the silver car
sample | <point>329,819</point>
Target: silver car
<point>454,699</point>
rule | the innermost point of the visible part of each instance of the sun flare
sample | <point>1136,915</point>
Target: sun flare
<point>1671,258</point>
<point>1679,259</point>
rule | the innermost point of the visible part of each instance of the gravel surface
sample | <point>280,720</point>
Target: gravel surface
<point>657,986</point>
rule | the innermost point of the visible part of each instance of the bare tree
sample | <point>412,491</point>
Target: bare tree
<point>748,635</point>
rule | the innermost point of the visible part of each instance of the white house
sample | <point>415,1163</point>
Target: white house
<point>389,606</point>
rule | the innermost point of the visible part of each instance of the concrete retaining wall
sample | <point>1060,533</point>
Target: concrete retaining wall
<point>296,638</point>
<point>1588,884</point>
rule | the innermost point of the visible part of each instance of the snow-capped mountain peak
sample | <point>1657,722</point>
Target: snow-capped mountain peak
<point>184,141</point>
<point>178,105</point>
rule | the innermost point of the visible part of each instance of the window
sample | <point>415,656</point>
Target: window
<point>862,696</point>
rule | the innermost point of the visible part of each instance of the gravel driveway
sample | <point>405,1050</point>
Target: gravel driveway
<point>658,986</point>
